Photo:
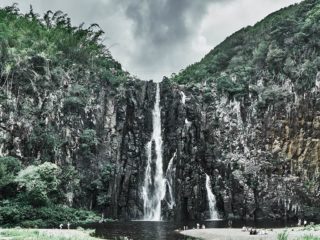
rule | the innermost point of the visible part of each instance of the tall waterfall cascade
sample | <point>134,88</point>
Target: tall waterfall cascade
<point>211,200</point>
<point>169,180</point>
<point>154,188</point>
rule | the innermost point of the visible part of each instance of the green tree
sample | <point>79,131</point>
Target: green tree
<point>69,184</point>
<point>88,143</point>
<point>275,57</point>
<point>260,54</point>
<point>40,183</point>
<point>9,167</point>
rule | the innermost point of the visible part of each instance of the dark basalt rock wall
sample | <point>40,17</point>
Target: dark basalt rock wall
<point>263,160</point>
<point>124,148</point>
<point>250,119</point>
<point>103,139</point>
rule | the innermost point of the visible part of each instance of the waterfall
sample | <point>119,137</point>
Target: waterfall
<point>187,123</point>
<point>183,98</point>
<point>211,200</point>
<point>169,181</point>
<point>154,188</point>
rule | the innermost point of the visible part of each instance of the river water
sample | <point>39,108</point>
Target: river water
<point>140,230</point>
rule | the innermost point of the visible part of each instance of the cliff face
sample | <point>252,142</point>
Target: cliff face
<point>263,162</point>
<point>251,120</point>
<point>104,141</point>
<point>65,100</point>
<point>248,115</point>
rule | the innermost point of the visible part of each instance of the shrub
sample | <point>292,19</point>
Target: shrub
<point>88,142</point>
<point>9,167</point>
<point>272,95</point>
<point>24,215</point>
<point>39,182</point>
<point>225,84</point>
<point>73,105</point>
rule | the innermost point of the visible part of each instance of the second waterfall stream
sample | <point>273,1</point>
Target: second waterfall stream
<point>211,200</point>
<point>154,187</point>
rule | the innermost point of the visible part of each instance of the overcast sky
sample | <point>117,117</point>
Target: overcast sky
<point>153,38</point>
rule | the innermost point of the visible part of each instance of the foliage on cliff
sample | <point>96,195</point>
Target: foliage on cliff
<point>283,45</point>
<point>260,95</point>
<point>49,71</point>
<point>46,48</point>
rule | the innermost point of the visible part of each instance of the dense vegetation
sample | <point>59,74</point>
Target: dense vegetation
<point>283,45</point>
<point>267,78</point>
<point>38,45</point>
<point>31,196</point>
<point>39,56</point>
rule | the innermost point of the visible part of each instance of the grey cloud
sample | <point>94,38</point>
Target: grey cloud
<point>164,27</point>
<point>165,21</point>
<point>157,37</point>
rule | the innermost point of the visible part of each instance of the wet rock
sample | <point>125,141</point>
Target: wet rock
<point>263,162</point>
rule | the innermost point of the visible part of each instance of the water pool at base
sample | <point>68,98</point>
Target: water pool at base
<point>141,230</point>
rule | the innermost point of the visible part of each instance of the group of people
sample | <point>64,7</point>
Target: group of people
<point>198,226</point>
<point>203,226</point>
<point>300,222</point>
<point>61,225</point>
<point>254,231</point>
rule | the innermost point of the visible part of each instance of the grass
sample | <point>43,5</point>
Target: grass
<point>284,236</point>
<point>22,234</point>
<point>310,237</point>
<point>312,227</point>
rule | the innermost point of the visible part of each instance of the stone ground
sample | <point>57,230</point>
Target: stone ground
<point>238,234</point>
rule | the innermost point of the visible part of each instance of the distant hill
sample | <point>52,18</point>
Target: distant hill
<point>283,45</point>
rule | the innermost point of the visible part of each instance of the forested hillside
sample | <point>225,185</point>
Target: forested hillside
<point>283,45</point>
<point>49,73</point>
<point>254,104</point>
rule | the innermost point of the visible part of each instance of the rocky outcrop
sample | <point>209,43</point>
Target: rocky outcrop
<point>263,157</point>
<point>99,132</point>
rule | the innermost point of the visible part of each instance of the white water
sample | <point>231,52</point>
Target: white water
<point>187,123</point>
<point>183,98</point>
<point>211,200</point>
<point>169,181</point>
<point>154,188</point>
